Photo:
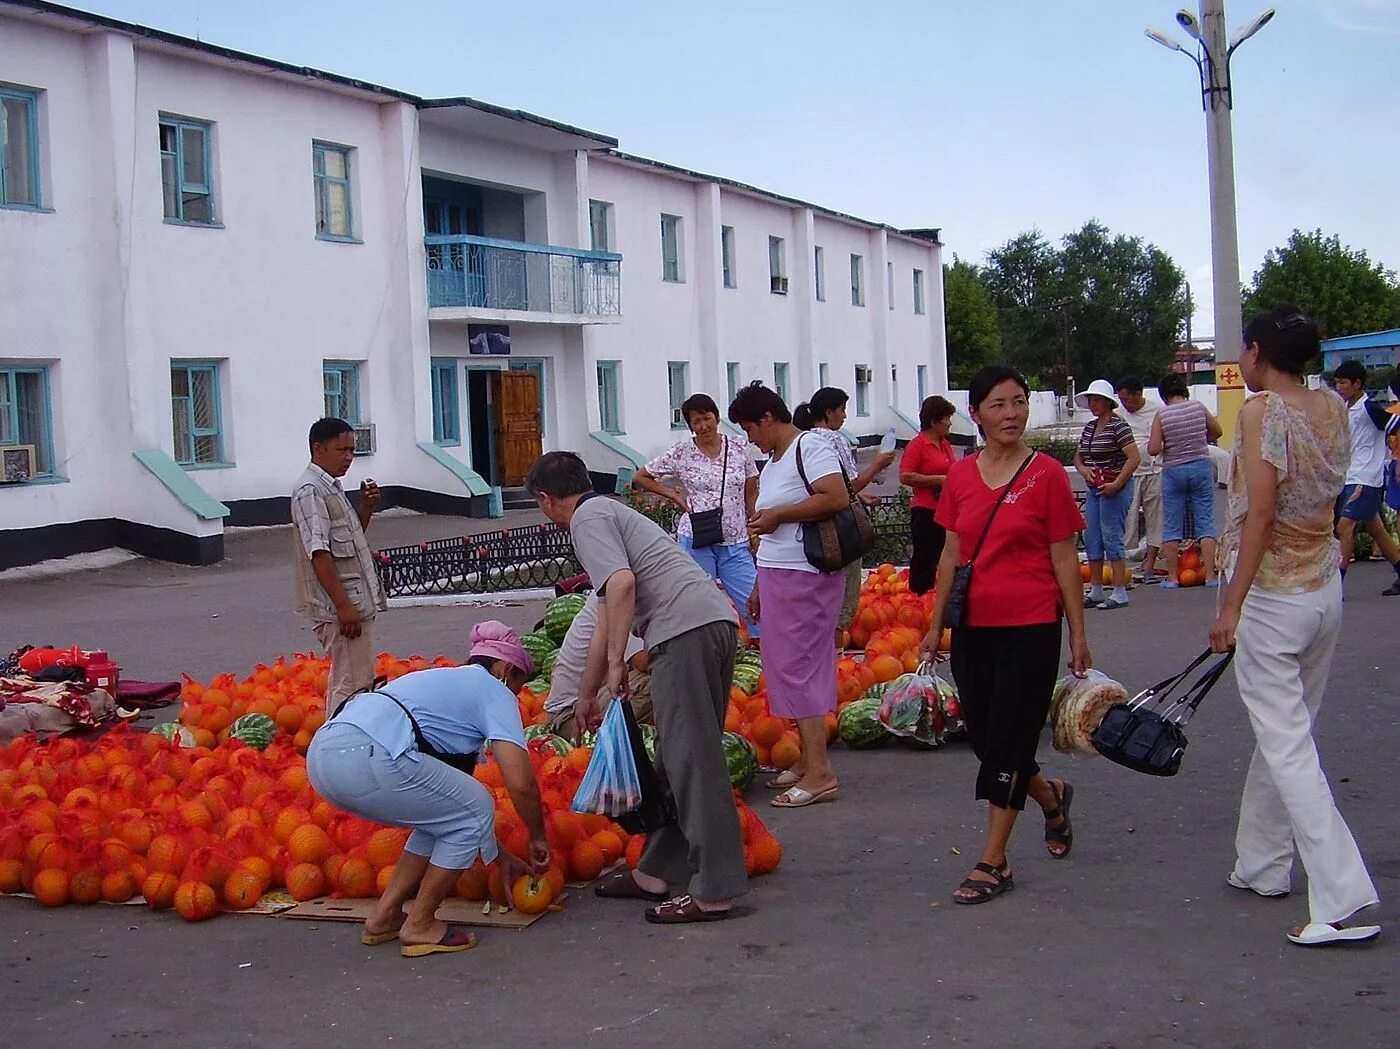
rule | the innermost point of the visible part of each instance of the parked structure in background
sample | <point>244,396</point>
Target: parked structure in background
<point>205,250</point>
<point>1376,349</point>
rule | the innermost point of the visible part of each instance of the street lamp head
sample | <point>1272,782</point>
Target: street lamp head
<point>1260,21</point>
<point>1187,21</point>
<point>1166,41</point>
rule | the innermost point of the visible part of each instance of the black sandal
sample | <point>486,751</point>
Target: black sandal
<point>986,890</point>
<point>1064,833</point>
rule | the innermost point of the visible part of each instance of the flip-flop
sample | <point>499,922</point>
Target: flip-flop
<point>786,778</point>
<point>1316,934</point>
<point>1236,882</point>
<point>797,798</point>
<point>374,939</point>
<point>456,938</point>
<point>681,910</point>
<point>620,885</point>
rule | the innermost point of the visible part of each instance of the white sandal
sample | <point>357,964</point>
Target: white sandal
<point>1317,934</point>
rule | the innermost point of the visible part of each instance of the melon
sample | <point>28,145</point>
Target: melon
<point>538,645</point>
<point>175,732</point>
<point>547,743</point>
<point>559,615</point>
<point>538,685</point>
<point>746,678</point>
<point>859,725</point>
<point>741,759</point>
<point>649,739</point>
<point>545,667</point>
<point>256,730</point>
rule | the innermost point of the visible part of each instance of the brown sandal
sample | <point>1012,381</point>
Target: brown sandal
<point>620,885</point>
<point>681,910</point>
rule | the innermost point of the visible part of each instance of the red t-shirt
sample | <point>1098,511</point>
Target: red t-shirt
<point>921,456</point>
<point>1014,581</point>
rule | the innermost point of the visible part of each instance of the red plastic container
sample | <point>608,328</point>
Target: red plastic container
<point>103,673</point>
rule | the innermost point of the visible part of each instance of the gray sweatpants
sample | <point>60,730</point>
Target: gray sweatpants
<point>703,852</point>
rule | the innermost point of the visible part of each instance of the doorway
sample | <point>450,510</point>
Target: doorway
<point>504,423</point>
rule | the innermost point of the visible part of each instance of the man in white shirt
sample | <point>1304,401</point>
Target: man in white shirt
<point>1365,481</point>
<point>1138,412</point>
<point>573,660</point>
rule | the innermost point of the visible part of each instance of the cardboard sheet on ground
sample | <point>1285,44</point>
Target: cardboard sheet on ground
<point>460,912</point>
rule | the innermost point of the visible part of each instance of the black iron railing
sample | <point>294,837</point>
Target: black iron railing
<point>486,563</point>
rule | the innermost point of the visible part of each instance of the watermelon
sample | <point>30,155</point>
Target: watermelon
<point>175,732</point>
<point>256,730</point>
<point>741,758</point>
<point>538,685</point>
<point>559,614</point>
<point>876,691</point>
<point>538,645</point>
<point>859,726</point>
<point>746,678</point>
<point>545,667</point>
<point>547,743</point>
<point>649,739</point>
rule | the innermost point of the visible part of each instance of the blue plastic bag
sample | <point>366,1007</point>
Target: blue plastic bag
<point>610,785</point>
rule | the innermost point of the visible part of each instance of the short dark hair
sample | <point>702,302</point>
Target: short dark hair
<point>1353,370</point>
<point>1132,384</point>
<point>1287,340</point>
<point>325,430</point>
<point>559,474</point>
<point>988,379</point>
<point>934,410</point>
<point>1173,385</point>
<point>755,401</point>
<point>698,403</point>
<point>803,417</point>
<point>828,399</point>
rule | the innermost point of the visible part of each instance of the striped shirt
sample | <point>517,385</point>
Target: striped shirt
<point>1184,436</point>
<point>1102,445</point>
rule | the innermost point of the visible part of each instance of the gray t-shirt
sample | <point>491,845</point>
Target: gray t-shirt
<point>674,595</point>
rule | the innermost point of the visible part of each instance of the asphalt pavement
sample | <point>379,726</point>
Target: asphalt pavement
<point>1134,940</point>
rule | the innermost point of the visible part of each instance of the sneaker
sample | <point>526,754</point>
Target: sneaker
<point>1167,584</point>
<point>1112,604</point>
<point>1393,590</point>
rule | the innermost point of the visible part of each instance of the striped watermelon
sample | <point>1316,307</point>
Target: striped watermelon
<point>538,645</point>
<point>538,685</point>
<point>746,678</point>
<point>741,758</point>
<point>559,614</point>
<point>859,726</point>
<point>174,732</point>
<point>545,667</point>
<point>256,730</point>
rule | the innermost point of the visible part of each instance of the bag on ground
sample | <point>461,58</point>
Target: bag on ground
<point>610,785</point>
<point>1077,708</point>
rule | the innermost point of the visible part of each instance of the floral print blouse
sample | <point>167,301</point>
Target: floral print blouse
<point>700,476</point>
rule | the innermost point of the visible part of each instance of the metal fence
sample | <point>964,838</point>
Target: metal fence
<point>487,563</point>
<point>507,275</point>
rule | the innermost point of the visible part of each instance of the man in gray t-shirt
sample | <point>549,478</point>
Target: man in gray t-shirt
<point>694,868</point>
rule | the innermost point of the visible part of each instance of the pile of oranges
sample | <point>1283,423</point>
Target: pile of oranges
<point>218,825</point>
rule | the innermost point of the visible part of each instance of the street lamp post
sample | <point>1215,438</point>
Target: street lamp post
<point>1213,63</point>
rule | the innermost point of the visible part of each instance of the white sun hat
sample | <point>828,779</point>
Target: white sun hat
<point>1097,388</point>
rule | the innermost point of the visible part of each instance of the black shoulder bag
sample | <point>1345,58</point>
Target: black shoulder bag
<point>462,762</point>
<point>955,610</point>
<point>657,808</point>
<point>1146,734</point>
<point>707,526</point>
<point>846,536</point>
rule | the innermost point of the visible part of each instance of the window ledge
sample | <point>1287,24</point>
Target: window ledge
<point>207,466</point>
<point>37,209</point>
<point>448,444</point>
<point>194,225</point>
<point>45,479</point>
<point>672,280</point>
<point>338,240</point>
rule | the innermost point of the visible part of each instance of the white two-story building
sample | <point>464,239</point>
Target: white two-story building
<point>203,251</point>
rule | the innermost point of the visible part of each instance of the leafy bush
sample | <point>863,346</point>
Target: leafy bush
<point>1062,449</point>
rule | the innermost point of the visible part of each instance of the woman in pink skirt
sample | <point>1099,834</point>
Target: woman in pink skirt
<point>802,482</point>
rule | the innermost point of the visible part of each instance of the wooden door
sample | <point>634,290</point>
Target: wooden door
<point>517,404</point>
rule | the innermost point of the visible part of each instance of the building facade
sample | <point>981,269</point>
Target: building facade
<point>203,251</point>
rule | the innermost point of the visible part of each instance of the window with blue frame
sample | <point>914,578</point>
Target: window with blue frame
<point>19,148</point>
<point>823,374</point>
<point>341,385</point>
<point>186,179</point>
<point>25,417</point>
<point>671,249</point>
<point>780,381</point>
<point>196,412</point>
<point>330,166</point>
<point>731,376</point>
<point>819,266</point>
<point>678,385</point>
<point>609,397</point>
<point>447,418</point>
<point>918,291</point>
<point>857,281</point>
<point>922,376</point>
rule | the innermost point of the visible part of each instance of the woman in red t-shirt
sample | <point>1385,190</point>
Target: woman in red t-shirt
<point>1006,653</point>
<point>924,467</point>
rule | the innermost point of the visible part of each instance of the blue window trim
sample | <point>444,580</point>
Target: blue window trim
<point>857,280</point>
<point>190,368</point>
<point>8,373</point>
<point>31,103</point>
<point>671,268</point>
<point>676,369</point>
<point>919,293</point>
<point>819,270</point>
<point>611,368</point>
<point>726,251</point>
<point>340,369</point>
<point>447,418</point>
<point>205,188</point>
<point>599,221</point>
<point>323,182</point>
<point>782,374</point>
<point>732,379</point>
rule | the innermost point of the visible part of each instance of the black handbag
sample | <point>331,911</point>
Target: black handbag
<point>844,537</point>
<point>707,526</point>
<point>955,608</point>
<point>657,808</point>
<point>1147,733</point>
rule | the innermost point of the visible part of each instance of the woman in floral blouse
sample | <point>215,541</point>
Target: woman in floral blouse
<point>711,470</point>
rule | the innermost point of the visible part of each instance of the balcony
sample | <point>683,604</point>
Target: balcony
<point>481,278</point>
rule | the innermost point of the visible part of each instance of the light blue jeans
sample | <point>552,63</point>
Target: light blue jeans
<point>451,815</point>
<point>734,567</point>
<point>1105,518</point>
<point>1190,484</point>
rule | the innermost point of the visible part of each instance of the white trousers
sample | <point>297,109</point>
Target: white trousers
<point>1283,654</point>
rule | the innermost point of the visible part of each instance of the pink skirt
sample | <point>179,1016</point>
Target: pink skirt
<point>799,611</point>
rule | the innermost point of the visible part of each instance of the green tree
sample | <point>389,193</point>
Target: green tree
<point>1119,300</point>
<point>1336,285</point>
<point>974,337</point>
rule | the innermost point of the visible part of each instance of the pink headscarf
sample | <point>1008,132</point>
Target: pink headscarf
<point>497,641</point>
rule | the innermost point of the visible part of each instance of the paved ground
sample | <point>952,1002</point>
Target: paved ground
<point>1133,941</point>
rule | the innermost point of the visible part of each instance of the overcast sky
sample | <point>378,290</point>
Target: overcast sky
<point>984,119</point>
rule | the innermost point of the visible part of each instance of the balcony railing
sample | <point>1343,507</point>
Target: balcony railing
<point>466,271</point>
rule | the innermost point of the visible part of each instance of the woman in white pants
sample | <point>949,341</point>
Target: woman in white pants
<point>1282,612</point>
